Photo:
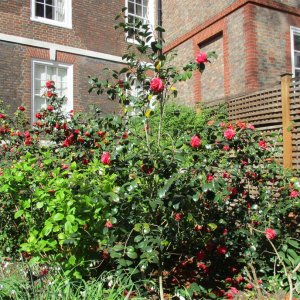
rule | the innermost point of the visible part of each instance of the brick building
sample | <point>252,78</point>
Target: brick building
<point>64,41</point>
<point>256,41</point>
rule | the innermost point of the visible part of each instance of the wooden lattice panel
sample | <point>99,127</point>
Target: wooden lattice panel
<point>262,109</point>
<point>295,119</point>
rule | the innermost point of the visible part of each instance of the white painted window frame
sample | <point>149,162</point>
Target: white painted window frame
<point>294,31</point>
<point>68,16</point>
<point>69,79</point>
<point>151,20</point>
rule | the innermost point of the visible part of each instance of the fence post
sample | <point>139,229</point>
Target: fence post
<point>286,121</point>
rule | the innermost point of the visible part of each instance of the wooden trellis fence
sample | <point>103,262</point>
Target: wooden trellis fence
<point>275,110</point>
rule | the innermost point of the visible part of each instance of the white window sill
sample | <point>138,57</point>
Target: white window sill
<point>51,22</point>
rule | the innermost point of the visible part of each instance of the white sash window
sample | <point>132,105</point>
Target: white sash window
<point>53,12</point>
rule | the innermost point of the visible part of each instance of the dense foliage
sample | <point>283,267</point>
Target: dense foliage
<point>188,199</point>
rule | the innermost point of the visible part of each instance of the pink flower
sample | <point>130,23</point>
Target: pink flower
<point>262,144</point>
<point>270,233</point>
<point>195,141</point>
<point>105,158</point>
<point>234,290</point>
<point>222,250</point>
<point>178,217</point>
<point>156,85</point>
<point>201,58</point>
<point>210,177</point>
<point>249,286</point>
<point>294,194</point>
<point>226,148</point>
<point>2,116</point>
<point>250,126</point>
<point>64,167</point>
<point>50,108</point>
<point>108,224</point>
<point>229,134</point>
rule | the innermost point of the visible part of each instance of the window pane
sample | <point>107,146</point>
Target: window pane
<point>138,10</point>
<point>49,12</point>
<point>39,103</point>
<point>297,42</point>
<point>130,8</point>
<point>39,10</point>
<point>139,1</point>
<point>297,60</point>
<point>297,73</point>
<point>50,2</point>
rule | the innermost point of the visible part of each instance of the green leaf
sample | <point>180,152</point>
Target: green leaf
<point>19,213</point>
<point>58,217</point>
<point>132,255</point>
<point>70,218</point>
<point>40,204</point>
<point>118,248</point>
<point>72,260</point>
<point>293,243</point>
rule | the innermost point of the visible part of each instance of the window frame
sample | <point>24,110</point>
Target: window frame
<point>69,95</point>
<point>150,19</point>
<point>294,31</point>
<point>68,16</point>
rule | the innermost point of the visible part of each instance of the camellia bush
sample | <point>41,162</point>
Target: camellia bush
<point>202,207</point>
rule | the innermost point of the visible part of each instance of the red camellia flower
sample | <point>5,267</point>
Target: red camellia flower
<point>38,115</point>
<point>201,58</point>
<point>294,194</point>
<point>2,116</point>
<point>27,141</point>
<point>108,224</point>
<point>49,94</point>
<point>85,161</point>
<point>50,84</point>
<point>222,250</point>
<point>249,286</point>
<point>21,108</point>
<point>270,233</point>
<point>262,144</point>
<point>147,169</point>
<point>26,134</point>
<point>101,133</point>
<point>64,167</point>
<point>105,158</point>
<point>80,139</point>
<point>50,108</point>
<point>210,177</point>
<point>44,272</point>
<point>198,228</point>
<point>156,85</point>
<point>124,135</point>
<point>195,141</point>
<point>229,134</point>
<point>226,148</point>
<point>200,255</point>
<point>121,83</point>
<point>87,134</point>
<point>178,216</point>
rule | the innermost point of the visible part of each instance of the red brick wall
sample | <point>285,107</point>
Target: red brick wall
<point>255,48</point>
<point>16,74</point>
<point>93,25</point>
<point>180,16</point>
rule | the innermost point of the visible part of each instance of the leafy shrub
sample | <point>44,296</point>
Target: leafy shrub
<point>187,203</point>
